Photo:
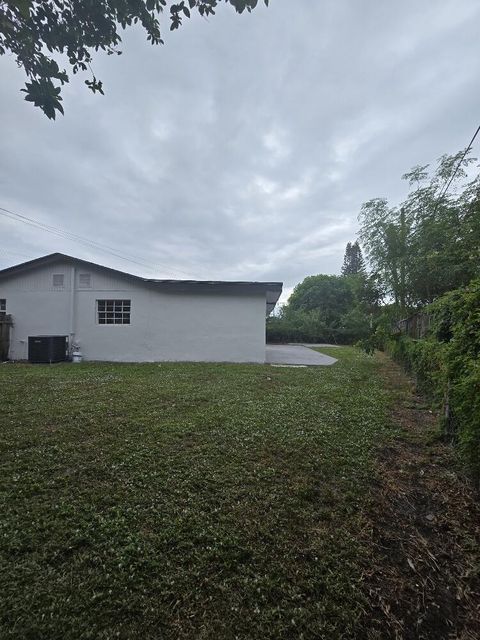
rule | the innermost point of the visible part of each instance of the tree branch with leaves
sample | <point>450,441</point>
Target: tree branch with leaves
<point>36,32</point>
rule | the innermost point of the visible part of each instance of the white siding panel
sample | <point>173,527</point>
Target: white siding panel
<point>103,281</point>
<point>40,279</point>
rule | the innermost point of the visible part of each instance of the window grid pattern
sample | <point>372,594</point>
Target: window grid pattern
<point>3,304</point>
<point>113,311</point>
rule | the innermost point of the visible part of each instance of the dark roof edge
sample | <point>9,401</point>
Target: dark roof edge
<point>51,258</point>
<point>55,257</point>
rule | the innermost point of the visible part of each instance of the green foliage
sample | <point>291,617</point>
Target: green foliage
<point>354,325</point>
<point>353,262</point>
<point>385,233</point>
<point>331,296</point>
<point>35,31</point>
<point>298,326</point>
<point>424,359</point>
<point>430,244</point>
<point>325,308</point>
<point>186,501</point>
<point>367,292</point>
<point>458,320</point>
<point>446,365</point>
<point>426,251</point>
<point>368,344</point>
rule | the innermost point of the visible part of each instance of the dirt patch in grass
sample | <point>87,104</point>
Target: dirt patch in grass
<point>423,527</point>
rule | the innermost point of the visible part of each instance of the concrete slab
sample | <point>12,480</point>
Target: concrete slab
<point>296,354</point>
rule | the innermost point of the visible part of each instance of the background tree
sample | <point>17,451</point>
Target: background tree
<point>442,255</point>
<point>323,308</point>
<point>385,232</point>
<point>353,262</point>
<point>417,251</point>
<point>430,244</point>
<point>330,296</point>
<point>36,32</point>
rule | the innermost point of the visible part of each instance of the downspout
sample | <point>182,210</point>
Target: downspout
<point>72,309</point>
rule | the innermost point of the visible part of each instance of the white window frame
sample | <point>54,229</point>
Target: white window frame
<point>3,307</point>
<point>112,312</point>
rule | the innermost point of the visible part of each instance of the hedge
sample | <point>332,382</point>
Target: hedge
<point>446,365</point>
<point>310,326</point>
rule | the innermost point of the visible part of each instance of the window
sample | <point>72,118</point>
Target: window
<point>84,280</point>
<point>3,307</point>
<point>113,311</point>
<point>58,279</point>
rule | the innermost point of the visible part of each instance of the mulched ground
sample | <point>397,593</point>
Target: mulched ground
<point>423,580</point>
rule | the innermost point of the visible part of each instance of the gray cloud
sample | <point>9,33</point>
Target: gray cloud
<point>245,146</point>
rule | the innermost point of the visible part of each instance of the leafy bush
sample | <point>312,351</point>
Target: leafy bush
<point>310,326</point>
<point>327,308</point>
<point>298,326</point>
<point>354,325</point>
<point>446,365</point>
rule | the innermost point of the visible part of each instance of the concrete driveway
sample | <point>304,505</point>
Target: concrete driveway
<point>295,355</point>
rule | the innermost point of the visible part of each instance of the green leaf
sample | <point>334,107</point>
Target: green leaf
<point>23,6</point>
<point>44,94</point>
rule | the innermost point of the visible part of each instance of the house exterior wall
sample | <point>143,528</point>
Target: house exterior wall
<point>36,307</point>
<point>165,326</point>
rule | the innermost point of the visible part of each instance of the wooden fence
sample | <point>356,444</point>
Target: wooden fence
<point>415,326</point>
<point>5,324</point>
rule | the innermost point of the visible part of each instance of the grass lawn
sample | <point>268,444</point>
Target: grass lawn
<point>186,500</point>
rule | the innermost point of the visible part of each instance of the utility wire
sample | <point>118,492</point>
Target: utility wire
<point>68,235</point>
<point>459,164</point>
<point>65,234</point>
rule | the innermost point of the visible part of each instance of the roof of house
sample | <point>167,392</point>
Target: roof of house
<point>272,290</point>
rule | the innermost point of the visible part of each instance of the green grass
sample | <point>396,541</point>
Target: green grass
<point>185,500</point>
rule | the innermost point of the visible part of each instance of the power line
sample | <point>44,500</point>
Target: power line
<point>65,234</point>
<point>444,190</point>
<point>73,237</point>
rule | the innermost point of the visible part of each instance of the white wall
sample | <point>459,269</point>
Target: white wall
<point>220,327</point>
<point>36,307</point>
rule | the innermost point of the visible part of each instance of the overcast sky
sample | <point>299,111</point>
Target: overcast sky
<point>244,147</point>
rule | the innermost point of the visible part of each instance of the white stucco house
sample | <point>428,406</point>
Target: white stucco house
<point>117,316</point>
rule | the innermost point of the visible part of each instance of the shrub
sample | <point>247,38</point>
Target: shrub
<point>354,325</point>
<point>310,326</point>
<point>446,365</point>
<point>298,326</point>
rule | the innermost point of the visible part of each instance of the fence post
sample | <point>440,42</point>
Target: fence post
<point>448,422</point>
